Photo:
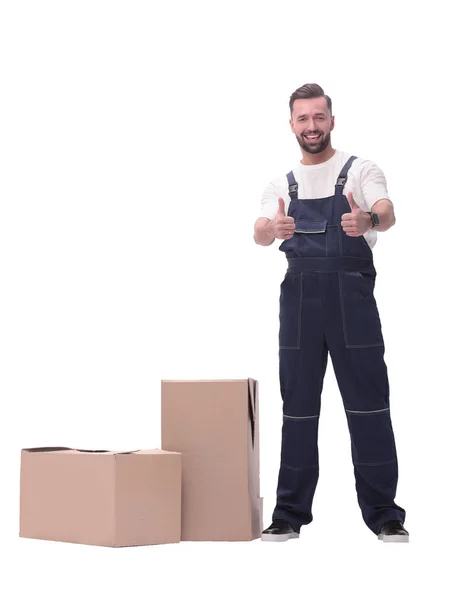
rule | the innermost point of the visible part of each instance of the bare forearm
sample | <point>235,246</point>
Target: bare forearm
<point>262,234</point>
<point>385,211</point>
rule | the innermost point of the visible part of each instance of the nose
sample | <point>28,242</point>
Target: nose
<point>311,125</point>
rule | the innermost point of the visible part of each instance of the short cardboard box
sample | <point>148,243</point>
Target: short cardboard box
<point>100,497</point>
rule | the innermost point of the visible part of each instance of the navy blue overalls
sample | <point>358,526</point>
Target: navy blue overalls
<point>327,304</point>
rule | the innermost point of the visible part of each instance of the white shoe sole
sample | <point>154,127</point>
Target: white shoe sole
<point>275,537</point>
<point>404,539</point>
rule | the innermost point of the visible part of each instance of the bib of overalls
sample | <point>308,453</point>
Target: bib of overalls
<point>318,224</point>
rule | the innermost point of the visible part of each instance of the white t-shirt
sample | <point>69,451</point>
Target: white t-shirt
<point>365,180</point>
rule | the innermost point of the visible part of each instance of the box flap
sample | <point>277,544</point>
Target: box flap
<point>156,451</point>
<point>202,380</point>
<point>46,449</point>
<point>72,450</point>
<point>252,405</point>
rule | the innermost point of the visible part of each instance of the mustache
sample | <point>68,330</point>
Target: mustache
<point>312,133</point>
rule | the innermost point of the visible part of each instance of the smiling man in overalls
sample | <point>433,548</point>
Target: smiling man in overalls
<point>327,211</point>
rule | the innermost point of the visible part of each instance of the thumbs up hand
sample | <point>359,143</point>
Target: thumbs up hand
<point>281,210</point>
<point>356,222</point>
<point>282,227</point>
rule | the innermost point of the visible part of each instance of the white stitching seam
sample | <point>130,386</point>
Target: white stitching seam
<point>380,464</point>
<point>300,418</point>
<point>298,468</point>
<point>366,412</point>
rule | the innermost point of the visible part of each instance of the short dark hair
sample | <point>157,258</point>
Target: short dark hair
<point>309,90</point>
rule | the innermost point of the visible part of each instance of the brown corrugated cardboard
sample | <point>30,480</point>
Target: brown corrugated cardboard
<point>100,497</point>
<point>214,424</point>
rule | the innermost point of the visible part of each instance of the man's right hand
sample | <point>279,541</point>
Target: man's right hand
<point>281,227</point>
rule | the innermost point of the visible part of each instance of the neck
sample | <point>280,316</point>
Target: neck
<point>316,159</point>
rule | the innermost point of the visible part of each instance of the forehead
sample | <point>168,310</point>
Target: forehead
<point>310,106</point>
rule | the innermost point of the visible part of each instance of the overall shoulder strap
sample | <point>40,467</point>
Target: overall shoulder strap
<point>343,175</point>
<point>292,186</point>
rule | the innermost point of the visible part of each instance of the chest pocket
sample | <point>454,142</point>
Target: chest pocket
<point>310,237</point>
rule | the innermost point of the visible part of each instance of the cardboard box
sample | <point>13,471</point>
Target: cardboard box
<point>214,425</point>
<point>99,497</point>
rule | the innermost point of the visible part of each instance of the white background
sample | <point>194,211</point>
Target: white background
<point>136,141</point>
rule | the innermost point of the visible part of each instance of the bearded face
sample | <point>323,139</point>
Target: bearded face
<point>312,124</point>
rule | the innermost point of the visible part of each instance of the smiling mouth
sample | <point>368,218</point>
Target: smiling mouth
<point>313,137</point>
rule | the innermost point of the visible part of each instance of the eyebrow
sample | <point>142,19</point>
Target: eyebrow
<point>320,114</point>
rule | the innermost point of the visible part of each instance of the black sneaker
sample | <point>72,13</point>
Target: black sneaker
<point>393,531</point>
<point>279,531</point>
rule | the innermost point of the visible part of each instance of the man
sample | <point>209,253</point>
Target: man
<point>327,212</point>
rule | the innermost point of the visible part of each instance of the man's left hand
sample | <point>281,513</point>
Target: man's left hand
<point>356,222</point>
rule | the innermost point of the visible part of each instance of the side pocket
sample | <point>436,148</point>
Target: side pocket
<point>290,312</point>
<point>361,321</point>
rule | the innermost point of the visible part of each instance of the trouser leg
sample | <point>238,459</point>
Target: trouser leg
<point>302,365</point>
<point>362,377</point>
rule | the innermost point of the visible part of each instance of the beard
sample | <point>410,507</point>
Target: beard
<point>314,148</point>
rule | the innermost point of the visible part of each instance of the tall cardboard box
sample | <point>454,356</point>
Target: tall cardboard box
<point>214,425</point>
<point>101,498</point>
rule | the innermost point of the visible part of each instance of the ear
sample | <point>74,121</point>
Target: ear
<point>332,123</point>
<point>292,126</point>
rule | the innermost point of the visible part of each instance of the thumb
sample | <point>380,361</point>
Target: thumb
<point>281,210</point>
<point>351,202</point>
